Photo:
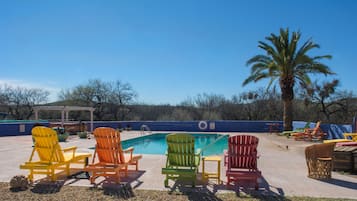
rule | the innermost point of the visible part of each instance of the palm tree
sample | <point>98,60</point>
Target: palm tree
<point>288,63</point>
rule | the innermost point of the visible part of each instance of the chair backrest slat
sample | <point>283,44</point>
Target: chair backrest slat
<point>181,150</point>
<point>108,145</point>
<point>47,144</point>
<point>242,151</point>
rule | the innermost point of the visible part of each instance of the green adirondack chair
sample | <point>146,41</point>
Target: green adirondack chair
<point>182,161</point>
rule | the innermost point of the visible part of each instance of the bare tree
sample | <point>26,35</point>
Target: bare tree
<point>122,94</point>
<point>108,98</point>
<point>20,100</point>
<point>328,100</point>
<point>209,105</point>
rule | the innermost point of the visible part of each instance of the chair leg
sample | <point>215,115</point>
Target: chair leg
<point>67,170</point>
<point>30,176</point>
<point>92,178</point>
<point>53,175</point>
<point>166,182</point>
<point>256,184</point>
<point>229,185</point>
<point>126,170</point>
<point>117,172</point>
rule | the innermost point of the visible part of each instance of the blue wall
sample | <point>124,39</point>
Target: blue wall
<point>193,126</point>
<point>11,128</point>
<point>333,131</point>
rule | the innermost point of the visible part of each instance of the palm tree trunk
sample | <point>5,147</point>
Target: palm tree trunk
<point>288,115</point>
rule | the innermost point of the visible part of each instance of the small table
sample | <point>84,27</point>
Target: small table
<point>212,175</point>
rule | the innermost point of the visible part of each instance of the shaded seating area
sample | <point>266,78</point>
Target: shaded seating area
<point>241,159</point>
<point>311,134</point>
<point>51,156</point>
<point>297,130</point>
<point>182,161</point>
<point>109,158</point>
<point>319,160</point>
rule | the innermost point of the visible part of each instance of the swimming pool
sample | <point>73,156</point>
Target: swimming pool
<point>156,143</point>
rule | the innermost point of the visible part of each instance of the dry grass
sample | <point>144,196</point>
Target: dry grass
<point>56,191</point>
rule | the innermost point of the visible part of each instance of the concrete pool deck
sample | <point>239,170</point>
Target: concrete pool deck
<point>282,162</point>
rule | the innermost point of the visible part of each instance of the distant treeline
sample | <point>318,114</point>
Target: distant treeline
<point>116,101</point>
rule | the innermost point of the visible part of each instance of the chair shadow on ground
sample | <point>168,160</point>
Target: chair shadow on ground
<point>199,192</point>
<point>206,190</point>
<point>265,191</point>
<point>47,187</point>
<point>341,183</point>
<point>124,189</point>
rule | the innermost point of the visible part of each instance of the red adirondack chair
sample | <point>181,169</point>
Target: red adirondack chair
<point>242,158</point>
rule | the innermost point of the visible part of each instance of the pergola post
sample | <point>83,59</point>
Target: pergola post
<point>65,112</point>
<point>36,114</point>
<point>91,120</point>
<point>62,118</point>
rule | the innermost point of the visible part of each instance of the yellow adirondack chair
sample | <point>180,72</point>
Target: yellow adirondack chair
<point>111,157</point>
<point>182,160</point>
<point>51,156</point>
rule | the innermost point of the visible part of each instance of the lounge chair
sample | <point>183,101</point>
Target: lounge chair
<point>242,158</point>
<point>311,134</point>
<point>297,130</point>
<point>182,161</point>
<point>112,159</point>
<point>350,136</point>
<point>51,156</point>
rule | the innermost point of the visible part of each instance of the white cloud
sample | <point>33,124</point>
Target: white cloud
<point>30,85</point>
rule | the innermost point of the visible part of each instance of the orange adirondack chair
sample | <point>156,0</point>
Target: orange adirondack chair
<point>112,159</point>
<point>242,158</point>
<point>310,134</point>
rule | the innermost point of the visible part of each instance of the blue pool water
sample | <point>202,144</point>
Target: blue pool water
<point>156,143</point>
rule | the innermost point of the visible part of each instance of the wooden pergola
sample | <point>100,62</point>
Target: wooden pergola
<point>65,112</point>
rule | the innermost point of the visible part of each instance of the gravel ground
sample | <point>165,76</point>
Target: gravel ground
<point>56,191</point>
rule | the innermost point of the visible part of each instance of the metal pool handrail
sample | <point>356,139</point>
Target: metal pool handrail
<point>214,142</point>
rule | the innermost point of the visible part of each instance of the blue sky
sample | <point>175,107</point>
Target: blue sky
<point>167,50</point>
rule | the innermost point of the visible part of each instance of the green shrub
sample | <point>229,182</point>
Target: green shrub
<point>62,137</point>
<point>82,135</point>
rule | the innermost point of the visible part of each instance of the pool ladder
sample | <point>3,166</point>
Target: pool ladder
<point>143,128</point>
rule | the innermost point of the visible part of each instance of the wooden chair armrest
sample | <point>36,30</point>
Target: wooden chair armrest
<point>73,148</point>
<point>68,149</point>
<point>130,149</point>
